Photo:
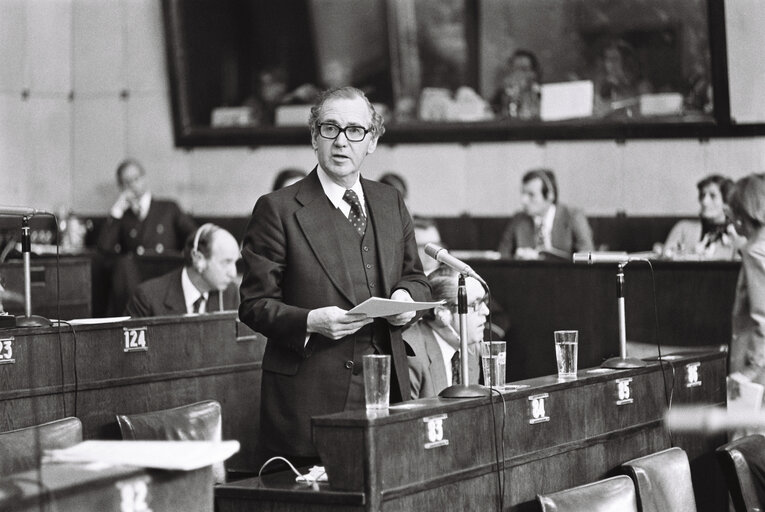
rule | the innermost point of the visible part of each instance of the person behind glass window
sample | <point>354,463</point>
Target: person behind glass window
<point>544,227</point>
<point>435,337</point>
<point>519,95</point>
<point>713,236</point>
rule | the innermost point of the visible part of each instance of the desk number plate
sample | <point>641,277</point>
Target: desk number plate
<point>624,391</point>
<point>692,378</point>
<point>434,431</point>
<point>134,495</point>
<point>537,413</point>
<point>134,339</point>
<point>6,351</point>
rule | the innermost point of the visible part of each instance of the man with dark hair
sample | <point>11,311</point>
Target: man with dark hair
<point>544,227</point>
<point>312,252</point>
<point>201,286</point>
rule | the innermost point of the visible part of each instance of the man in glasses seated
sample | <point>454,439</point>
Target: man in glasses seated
<point>312,251</point>
<point>435,337</point>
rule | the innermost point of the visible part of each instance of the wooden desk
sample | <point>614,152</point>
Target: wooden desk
<point>86,373</point>
<point>74,292</point>
<point>439,454</point>
<point>694,303</point>
<point>78,488</point>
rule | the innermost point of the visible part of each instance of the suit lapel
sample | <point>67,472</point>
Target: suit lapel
<point>315,221</point>
<point>557,233</point>
<point>435,359</point>
<point>382,215</point>
<point>174,300</point>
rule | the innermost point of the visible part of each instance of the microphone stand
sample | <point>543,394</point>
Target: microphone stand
<point>28,319</point>
<point>463,389</point>
<point>622,361</point>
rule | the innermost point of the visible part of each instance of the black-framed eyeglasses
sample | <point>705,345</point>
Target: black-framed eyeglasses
<point>352,133</point>
<point>476,305</point>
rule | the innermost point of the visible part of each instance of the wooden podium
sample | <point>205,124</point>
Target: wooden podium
<point>439,454</point>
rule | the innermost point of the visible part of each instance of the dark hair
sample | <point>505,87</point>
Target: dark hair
<point>723,183</point>
<point>286,175</point>
<point>747,202</point>
<point>128,162</point>
<point>395,181</point>
<point>200,240</point>
<point>347,92</point>
<point>522,52</point>
<point>443,286</point>
<point>549,183</point>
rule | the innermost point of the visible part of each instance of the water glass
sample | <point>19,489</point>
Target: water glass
<point>493,361</point>
<point>376,381</point>
<point>566,353</point>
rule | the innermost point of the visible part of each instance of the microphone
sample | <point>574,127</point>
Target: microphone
<point>21,211</point>
<point>605,257</point>
<point>442,255</point>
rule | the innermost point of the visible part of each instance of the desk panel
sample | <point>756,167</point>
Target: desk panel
<point>85,372</point>
<point>694,301</point>
<point>441,454</point>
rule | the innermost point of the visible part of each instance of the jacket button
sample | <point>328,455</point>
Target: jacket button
<point>366,249</point>
<point>349,364</point>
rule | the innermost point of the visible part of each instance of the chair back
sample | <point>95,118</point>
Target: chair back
<point>663,481</point>
<point>615,494</point>
<point>200,421</point>
<point>741,462</point>
<point>21,448</point>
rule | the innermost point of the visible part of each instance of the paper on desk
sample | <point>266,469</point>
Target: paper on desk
<point>172,455</point>
<point>375,307</point>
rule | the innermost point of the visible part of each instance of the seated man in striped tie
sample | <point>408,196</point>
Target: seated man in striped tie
<point>201,286</point>
<point>435,337</point>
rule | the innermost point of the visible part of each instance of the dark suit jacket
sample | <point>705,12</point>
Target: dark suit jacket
<point>163,295</point>
<point>570,232</point>
<point>427,372</point>
<point>292,266</point>
<point>164,229</point>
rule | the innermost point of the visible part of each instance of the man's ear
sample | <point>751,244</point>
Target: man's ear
<point>443,315</point>
<point>372,146</point>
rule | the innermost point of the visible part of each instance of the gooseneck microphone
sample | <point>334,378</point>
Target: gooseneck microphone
<point>591,257</point>
<point>21,211</point>
<point>442,255</point>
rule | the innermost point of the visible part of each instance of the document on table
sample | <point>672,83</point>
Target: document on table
<point>172,455</point>
<point>375,307</point>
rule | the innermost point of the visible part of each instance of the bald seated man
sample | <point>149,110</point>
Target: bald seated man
<point>206,283</point>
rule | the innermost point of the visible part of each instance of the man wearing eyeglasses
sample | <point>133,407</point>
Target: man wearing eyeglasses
<point>435,337</point>
<point>313,251</point>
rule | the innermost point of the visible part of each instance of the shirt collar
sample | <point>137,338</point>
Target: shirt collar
<point>547,219</point>
<point>335,192</point>
<point>447,352</point>
<point>190,292</point>
<point>144,204</point>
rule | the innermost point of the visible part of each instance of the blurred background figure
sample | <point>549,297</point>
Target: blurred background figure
<point>396,181</point>
<point>544,227</point>
<point>435,337</point>
<point>618,79</point>
<point>426,232</point>
<point>271,91</point>
<point>138,224</point>
<point>519,94</point>
<point>287,177</point>
<point>713,236</point>
<point>747,346</point>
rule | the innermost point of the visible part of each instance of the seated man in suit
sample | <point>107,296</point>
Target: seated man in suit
<point>202,285</point>
<point>435,337</point>
<point>545,226</point>
<point>138,224</point>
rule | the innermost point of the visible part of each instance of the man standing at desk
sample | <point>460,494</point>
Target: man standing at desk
<point>312,251</point>
<point>545,226</point>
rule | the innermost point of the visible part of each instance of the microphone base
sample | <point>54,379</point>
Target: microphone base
<point>623,362</point>
<point>32,321</point>
<point>461,391</point>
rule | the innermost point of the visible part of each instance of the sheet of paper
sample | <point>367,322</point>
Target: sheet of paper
<point>566,100</point>
<point>375,307</point>
<point>172,455</point>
